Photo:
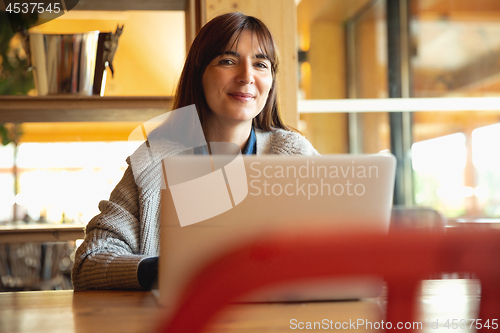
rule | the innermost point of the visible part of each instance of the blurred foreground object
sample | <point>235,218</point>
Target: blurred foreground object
<point>403,258</point>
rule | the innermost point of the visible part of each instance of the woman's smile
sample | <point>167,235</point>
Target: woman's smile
<point>243,97</point>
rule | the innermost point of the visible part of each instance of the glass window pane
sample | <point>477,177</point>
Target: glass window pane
<point>438,166</point>
<point>67,180</point>
<point>6,182</point>
<point>455,51</point>
<point>486,159</point>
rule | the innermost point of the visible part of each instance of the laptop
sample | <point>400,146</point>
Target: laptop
<point>214,203</point>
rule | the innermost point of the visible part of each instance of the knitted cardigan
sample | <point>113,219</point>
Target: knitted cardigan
<point>127,229</point>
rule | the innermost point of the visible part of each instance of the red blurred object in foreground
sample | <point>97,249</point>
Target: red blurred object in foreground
<point>402,258</point>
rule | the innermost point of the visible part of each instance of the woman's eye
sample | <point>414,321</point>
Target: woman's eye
<point>226,62</point>
<point>261,65</point>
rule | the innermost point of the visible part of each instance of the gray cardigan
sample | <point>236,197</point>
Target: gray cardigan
<point>127,229</point>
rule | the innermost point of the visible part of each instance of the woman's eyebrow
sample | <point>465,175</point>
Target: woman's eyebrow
<point>236,54</point>
<point>261,56</point>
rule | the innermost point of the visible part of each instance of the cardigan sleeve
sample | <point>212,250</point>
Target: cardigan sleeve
<point>109,256</point>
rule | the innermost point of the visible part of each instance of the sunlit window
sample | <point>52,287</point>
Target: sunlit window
<point>438,166</point>
<point>486,159</point>
<point>6,182</point>
<point>450,178</point>
<point>61,182</point>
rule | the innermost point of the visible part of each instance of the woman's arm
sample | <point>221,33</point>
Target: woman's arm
<point>110,254</point>
<point>126,232</point>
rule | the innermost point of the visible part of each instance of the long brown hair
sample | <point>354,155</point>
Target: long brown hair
<point>212,41</point>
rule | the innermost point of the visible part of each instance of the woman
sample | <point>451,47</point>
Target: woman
<point>230,75</point>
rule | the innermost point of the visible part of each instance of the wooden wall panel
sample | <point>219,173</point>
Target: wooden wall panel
<point>327,132</point>
<point>372,83</point>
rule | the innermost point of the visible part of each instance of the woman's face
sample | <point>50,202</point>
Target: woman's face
<point>236,84</point>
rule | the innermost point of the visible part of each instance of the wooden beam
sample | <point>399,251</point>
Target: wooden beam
<point>476,71</point>
<point>444,7</point>
<point>475,76</point>
<point>195,19</point>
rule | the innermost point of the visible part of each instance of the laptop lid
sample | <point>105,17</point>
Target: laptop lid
<point>213,203</point>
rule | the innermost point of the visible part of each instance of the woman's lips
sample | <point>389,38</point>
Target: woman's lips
<point>242,96</point>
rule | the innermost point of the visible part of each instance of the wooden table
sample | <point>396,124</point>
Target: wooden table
<point>135,311</point>
<point>41,233</point>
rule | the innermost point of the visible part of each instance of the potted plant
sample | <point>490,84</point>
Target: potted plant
<point>15,78</point>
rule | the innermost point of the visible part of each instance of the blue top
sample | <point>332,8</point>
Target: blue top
<point>250,147</point>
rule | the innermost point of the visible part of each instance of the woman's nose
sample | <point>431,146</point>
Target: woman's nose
<point>245,73</point>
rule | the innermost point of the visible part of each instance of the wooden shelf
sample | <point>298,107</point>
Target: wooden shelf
<point>41,233</point>
<point>20,109</point>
